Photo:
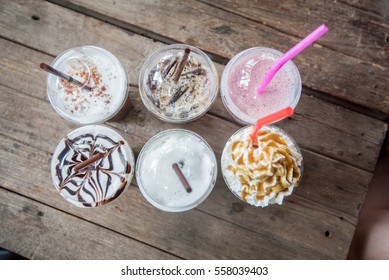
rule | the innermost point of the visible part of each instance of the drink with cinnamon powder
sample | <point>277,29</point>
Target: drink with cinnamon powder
<point>97,68</point>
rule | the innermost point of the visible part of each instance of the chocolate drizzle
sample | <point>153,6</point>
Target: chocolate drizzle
<point>98,182</point>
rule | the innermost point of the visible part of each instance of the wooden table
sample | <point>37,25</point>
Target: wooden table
<point>339,124</point>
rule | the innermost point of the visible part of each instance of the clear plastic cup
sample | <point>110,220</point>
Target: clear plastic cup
<point>264,175</point>
<point>243,75</point>
<point>179,101</point>
<point>97,68</point>
<point>158,180</point>
<point>98,182</point>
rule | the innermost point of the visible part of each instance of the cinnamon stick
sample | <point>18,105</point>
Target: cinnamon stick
<point>181,66</point>
<point>64,76</point>
<point>89,161</point>
<point>181,177</point>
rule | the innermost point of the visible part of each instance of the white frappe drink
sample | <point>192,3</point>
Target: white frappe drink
<point>265,174</point>
<point>92,166</point>
<point>159,181</point>
<point>97,68</point>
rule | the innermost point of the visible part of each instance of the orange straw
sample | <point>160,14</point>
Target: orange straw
<point>277,116</point>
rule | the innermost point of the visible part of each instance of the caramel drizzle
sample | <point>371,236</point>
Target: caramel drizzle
<point>275,165</point>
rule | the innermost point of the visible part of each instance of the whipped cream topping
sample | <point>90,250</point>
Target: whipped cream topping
<point>264,175</point>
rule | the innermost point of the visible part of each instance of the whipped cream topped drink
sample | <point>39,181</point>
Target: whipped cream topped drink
<point>243,75</point>
<point>97,68</point>
<point>92,166</point>
<point>176,170</point>
<point>178,83</point>
<point>264,175</point>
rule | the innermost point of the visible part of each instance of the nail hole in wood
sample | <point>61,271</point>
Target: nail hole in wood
<point>362,134</point>
<point>35,17</point>
<point>387,39</point>
<point>327,234</point>
<point>359,153</point>
<point>375,86</point>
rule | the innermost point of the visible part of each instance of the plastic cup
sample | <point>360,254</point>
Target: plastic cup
<point>158,181</point>
<point>95,67</point>
<point>101,181</point>
<point>242,76</point>
<point>265,175</point>
<point>188,98</point>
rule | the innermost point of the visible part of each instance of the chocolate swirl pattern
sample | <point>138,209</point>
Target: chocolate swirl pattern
<point>99,182</point>
<point>266,174</point>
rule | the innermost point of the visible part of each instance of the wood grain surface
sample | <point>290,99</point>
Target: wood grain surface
<point>218,29</point>
<point>316,117</point>
<point>340,149</point>
<point>46,233</point>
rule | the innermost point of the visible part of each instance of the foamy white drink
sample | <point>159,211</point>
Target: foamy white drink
<point>97,68</point>
<point>159,182</point>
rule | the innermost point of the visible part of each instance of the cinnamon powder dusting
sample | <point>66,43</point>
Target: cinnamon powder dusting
<point>82,99</point>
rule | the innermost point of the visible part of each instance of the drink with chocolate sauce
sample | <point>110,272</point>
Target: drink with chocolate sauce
<point>97,68</point>
<point>264,175</point>
<point>176,170</point>
<point>178,83</point>
<point>243,75</point>
<point>92,166</point>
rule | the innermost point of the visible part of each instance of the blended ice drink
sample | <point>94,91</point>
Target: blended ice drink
<point>176,170</point>
<point>178,83</point>
<point>243,75</point>
<point>92,166</point>
<point>264,174</point>
<point>96,68</point>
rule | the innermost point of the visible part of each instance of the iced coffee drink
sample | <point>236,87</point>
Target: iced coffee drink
<point>265,173</point>
<point>178,83</point>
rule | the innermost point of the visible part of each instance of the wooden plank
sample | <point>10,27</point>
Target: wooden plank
<point>323,185</point>
<point>377,8</point>
<point>43,232</point>
<point>39,137</point>
<point>355,145</point>
<point>225,34</point>
<point>354,31</point>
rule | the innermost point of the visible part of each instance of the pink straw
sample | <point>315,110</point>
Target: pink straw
<point>307,41</point>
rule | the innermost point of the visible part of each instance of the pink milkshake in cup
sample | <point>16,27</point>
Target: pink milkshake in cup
<point>243,75</point>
